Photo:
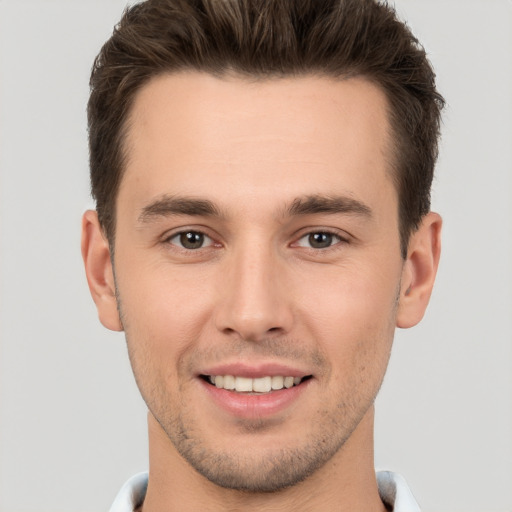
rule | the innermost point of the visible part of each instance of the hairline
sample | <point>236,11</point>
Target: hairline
<point>392,150</point>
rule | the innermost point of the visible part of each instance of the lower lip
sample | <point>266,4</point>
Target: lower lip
<point>251,406</point>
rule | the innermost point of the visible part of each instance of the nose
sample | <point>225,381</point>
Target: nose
<point>254,299</point>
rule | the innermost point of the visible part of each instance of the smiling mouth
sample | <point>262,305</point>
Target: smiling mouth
<point>265,384</point>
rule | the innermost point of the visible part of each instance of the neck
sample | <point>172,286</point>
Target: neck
<point>345,483</point>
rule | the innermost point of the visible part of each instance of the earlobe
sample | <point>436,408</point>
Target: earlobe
<point>99,271</point>
<point>419,271</point>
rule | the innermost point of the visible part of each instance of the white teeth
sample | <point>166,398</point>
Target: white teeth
<point>243,384</point>
<point>229,382</point>
<point>277,382</point>
<point>263,385</point>
<point>248,385</point>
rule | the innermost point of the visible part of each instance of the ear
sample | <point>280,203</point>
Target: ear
<point>99,271</point>
<point>419,271</point>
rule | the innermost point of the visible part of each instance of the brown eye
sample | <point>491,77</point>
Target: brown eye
<point>319,240</point>
<point>191,240</point>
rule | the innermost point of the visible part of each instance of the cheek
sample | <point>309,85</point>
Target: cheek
<point>352,315</point>
<point>163,312</point>
<point>348,300</point>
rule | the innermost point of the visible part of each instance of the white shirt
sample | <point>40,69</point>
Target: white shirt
<point>393,491</point>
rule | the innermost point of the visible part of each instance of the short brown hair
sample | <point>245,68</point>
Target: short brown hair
<point>268,38</point>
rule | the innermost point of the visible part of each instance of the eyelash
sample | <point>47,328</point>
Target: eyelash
<point>180,234</point>
<point>336,240</point>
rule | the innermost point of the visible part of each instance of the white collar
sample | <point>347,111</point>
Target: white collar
<point>395,493</point>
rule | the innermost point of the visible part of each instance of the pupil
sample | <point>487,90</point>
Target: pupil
<point>320,240</point>
<point>192,240</point>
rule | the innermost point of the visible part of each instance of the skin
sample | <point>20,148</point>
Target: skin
<point>275,164</point>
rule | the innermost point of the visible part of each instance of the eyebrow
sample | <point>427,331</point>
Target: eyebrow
<point>166,206</point>
<point>312,204</point>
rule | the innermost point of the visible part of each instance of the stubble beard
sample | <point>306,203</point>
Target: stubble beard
<point>273,470</point>
<point>268,470</point>
<point>264,472</point>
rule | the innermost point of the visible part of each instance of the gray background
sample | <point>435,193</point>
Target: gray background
<point>72,426</point>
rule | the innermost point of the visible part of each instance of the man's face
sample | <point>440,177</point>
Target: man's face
<point>257,241</point>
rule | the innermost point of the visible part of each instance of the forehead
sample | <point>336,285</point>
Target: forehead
<point>190,131</point>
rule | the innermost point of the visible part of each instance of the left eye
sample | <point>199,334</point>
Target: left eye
<point>191,240</point>
<point>319,240</point>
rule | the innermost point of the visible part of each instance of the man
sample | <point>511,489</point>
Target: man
<point>262,175</point>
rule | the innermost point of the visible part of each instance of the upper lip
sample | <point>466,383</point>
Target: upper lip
<point>254,370</point>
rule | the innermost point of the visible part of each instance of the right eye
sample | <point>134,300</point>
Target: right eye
<point>190,240</point>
